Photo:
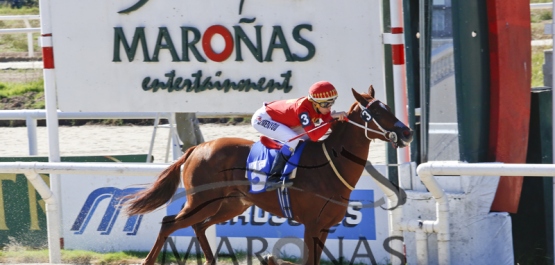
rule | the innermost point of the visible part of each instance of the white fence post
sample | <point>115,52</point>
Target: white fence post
<point>28,29</point>
<point>52,221</point>
<point>30,47</point>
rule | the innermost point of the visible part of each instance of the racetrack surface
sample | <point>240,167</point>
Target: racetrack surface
<point>88,140</point>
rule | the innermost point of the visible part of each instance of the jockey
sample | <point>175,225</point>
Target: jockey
<point>285,119</point>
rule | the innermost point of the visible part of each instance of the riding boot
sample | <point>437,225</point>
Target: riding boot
<point>275,178</point>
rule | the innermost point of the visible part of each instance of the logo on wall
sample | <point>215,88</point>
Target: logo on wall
<point>359,220</point>
<point>189,44</point>
<point>116,197</point>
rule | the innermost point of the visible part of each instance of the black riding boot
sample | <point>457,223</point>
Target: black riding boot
<point>275,177</point>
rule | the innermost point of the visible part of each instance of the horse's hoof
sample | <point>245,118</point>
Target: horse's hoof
<point>270,260</point>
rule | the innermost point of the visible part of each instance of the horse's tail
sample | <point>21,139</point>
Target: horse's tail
<point>160,192</point>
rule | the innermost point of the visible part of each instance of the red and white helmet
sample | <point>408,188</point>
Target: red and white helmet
<point>322,91</point>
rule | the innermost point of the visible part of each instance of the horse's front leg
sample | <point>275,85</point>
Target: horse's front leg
<point>322,241</point>
<point>312,240</point>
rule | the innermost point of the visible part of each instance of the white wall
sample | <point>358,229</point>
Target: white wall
<point>78,197</point>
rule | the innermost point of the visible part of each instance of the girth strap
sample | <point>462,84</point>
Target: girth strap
<point>285,202</point>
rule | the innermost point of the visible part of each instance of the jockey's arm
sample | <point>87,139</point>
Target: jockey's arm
<point>314,135</point>
<point>340,115</point>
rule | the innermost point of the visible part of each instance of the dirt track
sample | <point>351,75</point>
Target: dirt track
<point>119,140</point>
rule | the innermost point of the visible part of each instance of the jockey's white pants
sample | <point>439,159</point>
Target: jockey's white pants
<point>264,124</point>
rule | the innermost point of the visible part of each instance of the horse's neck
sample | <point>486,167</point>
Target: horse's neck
<point>352,149</point>
<point>349,136</point>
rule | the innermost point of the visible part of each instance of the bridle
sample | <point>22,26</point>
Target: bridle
<point>392,136</point>
<point>367,117</point>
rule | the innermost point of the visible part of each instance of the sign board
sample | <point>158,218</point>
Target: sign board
<point>212,55</point>
<point>94,221</point>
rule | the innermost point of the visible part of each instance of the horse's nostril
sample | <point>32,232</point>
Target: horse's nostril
<point>406,133</point>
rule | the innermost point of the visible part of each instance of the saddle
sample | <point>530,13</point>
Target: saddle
<point>261,158</point>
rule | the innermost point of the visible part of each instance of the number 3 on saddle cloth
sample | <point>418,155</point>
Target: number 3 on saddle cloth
<point>259,164</point>
<point>261,158</point>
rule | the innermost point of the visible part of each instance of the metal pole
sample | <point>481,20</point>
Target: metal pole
<point>52,208</point>
<point>51,107</point>
<point>156,122</point>
<point>399,72</point>
<point>553,112</point>
<point>176,149</point>
<point>32,135</point>
<point>423,92</point>
<point>401,105</point>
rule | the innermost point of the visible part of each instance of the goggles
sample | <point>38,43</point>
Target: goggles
<point>326,104</point>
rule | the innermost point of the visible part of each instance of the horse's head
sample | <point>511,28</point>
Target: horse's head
<point>378,120</point>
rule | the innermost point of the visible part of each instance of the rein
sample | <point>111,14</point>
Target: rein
<point>383,132</point>
<point>392,137</point>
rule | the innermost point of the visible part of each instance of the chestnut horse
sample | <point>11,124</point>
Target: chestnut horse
<point>217,190</point>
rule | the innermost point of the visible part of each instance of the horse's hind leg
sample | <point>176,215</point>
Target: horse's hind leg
<point>167,223</point>
<point>229,209</point>
<point>173,222</point>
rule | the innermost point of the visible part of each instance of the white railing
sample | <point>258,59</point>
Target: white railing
<point>28,29</point>
<point>427,173</point>
<point>33,169</point>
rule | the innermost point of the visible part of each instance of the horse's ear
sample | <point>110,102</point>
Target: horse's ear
<point>371,91</point>
<point>358,97</point>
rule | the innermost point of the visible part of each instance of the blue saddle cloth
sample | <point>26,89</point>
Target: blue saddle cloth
<point>259,163</point>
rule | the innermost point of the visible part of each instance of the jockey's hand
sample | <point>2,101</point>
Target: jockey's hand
<point>340,115</point>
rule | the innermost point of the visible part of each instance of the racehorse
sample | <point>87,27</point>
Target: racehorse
<point>217,190</point>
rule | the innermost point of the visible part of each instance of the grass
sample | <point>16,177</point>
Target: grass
<point>74,257</point>
<point>15,252</point>
<point>537,64</point>
<point>126,257</point>
<point>538,18</point>
<point>16,89</point>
